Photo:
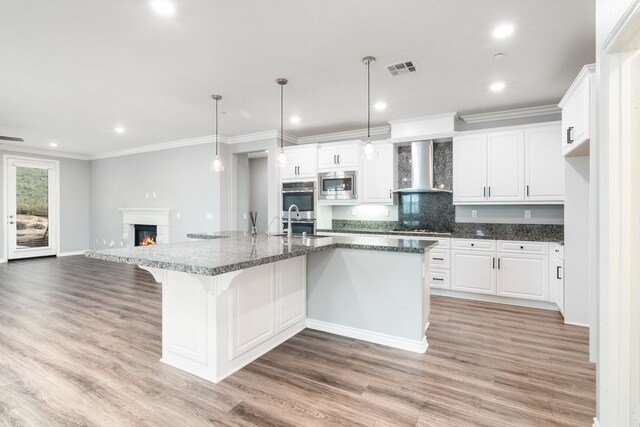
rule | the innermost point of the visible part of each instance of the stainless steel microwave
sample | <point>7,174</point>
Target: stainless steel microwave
<point>338,185</point>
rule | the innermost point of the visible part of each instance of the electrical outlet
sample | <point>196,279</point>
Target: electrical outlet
<point>121,243</point>
<point>244,216</point>
<point>104,242</point>
<point>177,215</point>
<point>527,213</point>
<point>354,212</point>
<point>146,195</point>
<point>112,244</point>
<point>154,194</point>
<point>386,212</point>
<point>210,216</point>
<point>474,213</point>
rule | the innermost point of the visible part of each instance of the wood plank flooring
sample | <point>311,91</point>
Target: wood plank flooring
<point>80,343</point>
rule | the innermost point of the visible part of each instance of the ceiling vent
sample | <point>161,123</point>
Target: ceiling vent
<point>11,138</point>
<point>402,68</point>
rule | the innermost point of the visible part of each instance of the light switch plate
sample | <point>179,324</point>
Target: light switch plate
<point>177,215</point>
<point>210,216</point>
<point>474,213</point>
<point>527,213</point>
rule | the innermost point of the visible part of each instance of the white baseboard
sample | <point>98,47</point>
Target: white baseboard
<point>415,346</point>
<point>73,253</point>
<point>3,260</point>
<point>545,305</point>
<point>576,324</point>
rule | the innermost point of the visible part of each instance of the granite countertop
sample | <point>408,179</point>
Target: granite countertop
<point>219,253</point>
<point>460,234</point>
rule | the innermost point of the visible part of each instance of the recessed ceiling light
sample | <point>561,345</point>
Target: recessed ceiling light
<point>163,7</point>
<point>118,129</point>
<point>380,105</point>
<point>497,86</point>
<point>295,119</point>
<point>502,31</point>
<point>53,144</point>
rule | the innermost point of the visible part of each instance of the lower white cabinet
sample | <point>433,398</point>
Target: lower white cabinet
<point>473,271</point>
<point>523,276</point>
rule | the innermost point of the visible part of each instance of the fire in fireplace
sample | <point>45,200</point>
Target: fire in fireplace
<point>145,234</point>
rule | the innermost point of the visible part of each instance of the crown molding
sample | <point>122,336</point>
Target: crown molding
<point>586,71</point>
<point>519,113</point>
<point>452,114</point>
<point>346,135</point>
<point>261,136</point>
<point>42,152</point>
<point>209,139</point>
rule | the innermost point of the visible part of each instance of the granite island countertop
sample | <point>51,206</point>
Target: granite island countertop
<point>220,253</point>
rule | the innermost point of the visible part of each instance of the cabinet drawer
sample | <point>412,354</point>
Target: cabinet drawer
<point>522,247</point>
<point>439,259</point>
<point>473,244</point>
<point>440,279</point>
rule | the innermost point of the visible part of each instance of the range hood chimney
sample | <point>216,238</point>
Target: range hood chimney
<point>422,169</point>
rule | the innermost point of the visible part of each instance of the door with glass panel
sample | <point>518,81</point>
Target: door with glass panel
<point>31,208</point>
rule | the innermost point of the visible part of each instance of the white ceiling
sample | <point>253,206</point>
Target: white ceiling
<point>77,68</point>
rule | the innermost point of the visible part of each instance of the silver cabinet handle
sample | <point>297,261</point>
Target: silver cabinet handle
<point>494,263</point>
<point>338,158</point>
<point>436,278</point>
<point>439,259</point>
<point>484,191</point>
<point>498,263</point>
<point>489,191</point>
<point>11,222</point>
<point>570,135</point>
<point>527,190</point>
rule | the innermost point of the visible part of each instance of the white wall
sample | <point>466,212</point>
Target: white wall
<point>259,191</point>
<point>180,178</point>
<point>74,202</point>
<point>540,214</point>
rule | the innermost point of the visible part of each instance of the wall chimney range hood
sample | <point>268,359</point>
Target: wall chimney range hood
<point>422,169</point>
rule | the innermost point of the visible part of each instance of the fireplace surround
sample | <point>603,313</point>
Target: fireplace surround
<point>158,217</point>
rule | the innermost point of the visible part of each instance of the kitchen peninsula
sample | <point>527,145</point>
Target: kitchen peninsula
<point>228,298</point>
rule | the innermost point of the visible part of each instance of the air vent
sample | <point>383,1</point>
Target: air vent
<point>401,68</point>
<point>11,138</point>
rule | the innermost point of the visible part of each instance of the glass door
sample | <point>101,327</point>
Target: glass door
<point>31,208</point>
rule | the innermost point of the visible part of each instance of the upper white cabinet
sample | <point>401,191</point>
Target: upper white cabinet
<point>505,166</point>
<point>576,114</point>
<point>340,155</point>
<point>517,165</point>
<point>302,163</point>
<point>541,148</point>
<point>470,168</point>
<point>378,176</point>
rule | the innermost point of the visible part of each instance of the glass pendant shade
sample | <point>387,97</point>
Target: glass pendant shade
<point>282,160</point>
<point>217,165</point>
<point>369,151</point>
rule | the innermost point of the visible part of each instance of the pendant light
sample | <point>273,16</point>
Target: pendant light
<point>282,157</point>
<point>369,151</point>
<point>217,165</point>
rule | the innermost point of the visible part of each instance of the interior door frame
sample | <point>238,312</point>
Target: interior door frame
<point>5,199</point>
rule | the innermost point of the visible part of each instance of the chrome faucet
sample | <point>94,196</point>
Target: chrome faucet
<point>289,232</point>
<point>268,232</point>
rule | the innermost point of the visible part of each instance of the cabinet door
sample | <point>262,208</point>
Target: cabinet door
<point>505,167</point>
<point>348,154</point>
<point>557,281</point>
<point>581,112</point>
<point>291,169</point>
<point>307,162</point>
<point>567,122</point>
<point>469,168</point>
<point>473,272</point>
<point>378,176</point>
<point>327,157</point>
<point>523,276</point>
<point>544,164</point>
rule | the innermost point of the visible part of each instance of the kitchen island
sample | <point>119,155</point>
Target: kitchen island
<point>228,298</point>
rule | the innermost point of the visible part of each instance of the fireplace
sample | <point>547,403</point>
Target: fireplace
<point>132,218</point>
<point>145,235</point>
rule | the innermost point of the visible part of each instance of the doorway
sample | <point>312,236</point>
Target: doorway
<point>31,207</point>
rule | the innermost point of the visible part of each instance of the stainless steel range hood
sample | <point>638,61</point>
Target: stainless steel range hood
<point>422,169</point>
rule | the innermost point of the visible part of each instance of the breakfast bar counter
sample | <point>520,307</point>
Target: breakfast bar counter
<point>229,297</point>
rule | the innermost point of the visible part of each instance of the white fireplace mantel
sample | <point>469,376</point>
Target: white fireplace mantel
<point>160,217</point>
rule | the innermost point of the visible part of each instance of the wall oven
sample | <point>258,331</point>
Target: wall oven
<point>338,185</point>
<point>301,194</point>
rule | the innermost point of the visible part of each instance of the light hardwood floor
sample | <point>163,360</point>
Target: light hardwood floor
<point>80,343</point>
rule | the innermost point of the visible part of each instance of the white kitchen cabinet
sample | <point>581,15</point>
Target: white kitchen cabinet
<point>473,271</point>
<point>341,155</point>
<point>290,293</point>
<point>544,167</point>
<point>470,168</point>
<point>505,166</point>
<point>576,114</point>
<point>523,276</point>
<point>378,176</point>
<point>519,165</point>
<point>556,276</point>
<point>302,163</point>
